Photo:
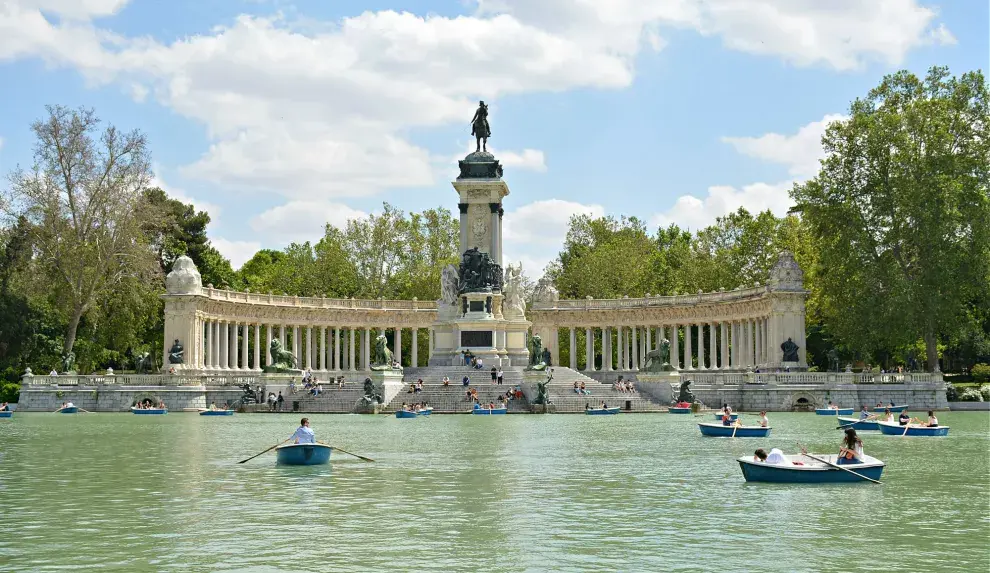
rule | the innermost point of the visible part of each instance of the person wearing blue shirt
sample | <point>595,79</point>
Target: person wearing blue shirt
<point>303,434</point>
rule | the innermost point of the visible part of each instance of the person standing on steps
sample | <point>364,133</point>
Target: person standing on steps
<point>280,400</point>
<point>494,374</point>
<point>500,376</point>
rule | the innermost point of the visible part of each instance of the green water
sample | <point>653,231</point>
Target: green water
<point>477,493</point>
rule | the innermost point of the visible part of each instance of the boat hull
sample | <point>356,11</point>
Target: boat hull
<point>425,412</point>
<point>676,410</point>
<point>487,412</point>
<point>602,411</point>
<point>732,417</point>
<point>720,431</point>
<point>405,414</point>
<point>217,413</point>
<point>150,412</point>
<point>920,431</point>
<point>6,414</point>
<point>894,409</point>
<point>811,473</point>
<point>862,426</point>
<point>302,454</point>
<point>71,410</point>
<point>834,412</point>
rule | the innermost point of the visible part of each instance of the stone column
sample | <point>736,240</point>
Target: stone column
<point>620,342</point>
<point>350,348</point>
<point>232,356</point>
<point>701,346</point>
<point>430,340</point>
<point>712,346</point>
<point>398,345</point>
<point>606,358</point>
<point>366,349</point>
<point>759,341</point>
<point>635,348</point>
<point>224,345</point>
<point>245,328</point>
<point>208,345</point>
<point>335,348</point>
<point>323,348</point>
<point>675,359</point>
<point>688,348</point>
<point>463,207</point>
<point>269,334</point>
<point>573,360</point>
<point>256,365</point>
<point>751,346</point>
<point>414,351</point>
<point>589,350</point>
<point>281,335</point>
<point>660,335</point>
<point>724,346</point>
<point>648,343</point>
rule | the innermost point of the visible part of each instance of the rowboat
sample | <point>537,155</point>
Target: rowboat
<point>405,414</point>
<point>679,410</point>
<point>489,412</point>
<point>860,425</point>
<point>150,411</point>
<point>6,414</point>
<point>810,471</point>
<point>425,411</point>
<point>894,429</point>
<point>217,413</point>
<point>602,411</point>
<point>302,454</point>
<point>69,410</point>
<point>740,431</point>
<point>834,411</point>
<point>895,409</point>
<point>732,417</point>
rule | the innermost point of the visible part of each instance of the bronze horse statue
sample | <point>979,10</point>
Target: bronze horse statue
<point>480,128</point>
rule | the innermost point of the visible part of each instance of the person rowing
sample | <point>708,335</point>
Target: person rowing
<point>851,451</point>
<point>303,434</point>
<point>865,414</point>
<point>726,418</point>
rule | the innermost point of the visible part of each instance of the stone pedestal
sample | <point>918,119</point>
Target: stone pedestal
<point>661,387</point>
<point>388,383</point>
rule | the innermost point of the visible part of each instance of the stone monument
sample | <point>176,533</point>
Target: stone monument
<point>481,310</point>
<point>181,326</point>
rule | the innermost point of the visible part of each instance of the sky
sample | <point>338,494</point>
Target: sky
<point>280,116</point>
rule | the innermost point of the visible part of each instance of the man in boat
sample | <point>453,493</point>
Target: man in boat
<point>4,407</point>
<point>69,405</point>
<point>303,434</point>
<point>904,419</point>
<point>864,413</point>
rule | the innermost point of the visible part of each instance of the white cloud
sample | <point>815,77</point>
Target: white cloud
<point>322,110</point>
<point>299,221</point>
<point>690,212</point>
<point>800,152</point>
<point>178,194</point>
<point>534,233</point>
<point>239,252</point>
<point>531,159</point>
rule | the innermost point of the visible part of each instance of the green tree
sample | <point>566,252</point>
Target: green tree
<point>83,201</point>
<point>900,211</point>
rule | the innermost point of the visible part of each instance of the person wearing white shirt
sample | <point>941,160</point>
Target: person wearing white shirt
<point>303,434</point>
<point>763,419</point>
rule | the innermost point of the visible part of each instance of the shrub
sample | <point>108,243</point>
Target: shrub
<point>985,392</point>
<point>10,392</point>
<point>951,393</point>
<point>971,395</point>
<point>981,372</point>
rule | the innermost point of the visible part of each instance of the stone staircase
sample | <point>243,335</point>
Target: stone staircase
<point>451,399</point>
<point>564,400</point>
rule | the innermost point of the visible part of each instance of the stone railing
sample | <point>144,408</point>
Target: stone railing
<point>138,380</point>
<point>714,377</point>
<point>683,299</point>
<point>318,302</point>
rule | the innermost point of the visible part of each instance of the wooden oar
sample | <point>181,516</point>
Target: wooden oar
<point>346,452</point>
<point>85,411</point>
<point>59,410</point>
<point>734,428</point>
<point>264,452</point>
<point>828,463</point>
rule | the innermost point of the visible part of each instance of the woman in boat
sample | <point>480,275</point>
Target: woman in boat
<point>604,406</point>
<point>763,419</point>
<point>4,407</point>
<point>851,451</point>
<point>832,406</point>
<point>776,457</point>
<point>932,420</point>
<point>888,417</point>
<point>760,455</point>
<point>303,434</point>
<point>726,419</point>
<point>213,406</point>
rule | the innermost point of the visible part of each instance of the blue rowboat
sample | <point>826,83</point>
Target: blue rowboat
<point>405,414</point>
<point>302,454</point>
<point>676,410</point>
<point>217,413</point>
<point>811,471</point>
<point>732,417</point>
<point>895,409</point>
<point>150,411</point>
<point>889,429</point>
<point>726,431</point>
<point>834,411</point>
<point>6,414</point>
<point>69,410</point>
<point>859,425</point>
<point>487,412</point>
<point>425,411</point>
<point>602,411</point>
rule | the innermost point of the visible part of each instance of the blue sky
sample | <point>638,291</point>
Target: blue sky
<point>280,116</point>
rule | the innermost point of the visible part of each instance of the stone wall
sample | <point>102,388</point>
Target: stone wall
<point>109,399</point>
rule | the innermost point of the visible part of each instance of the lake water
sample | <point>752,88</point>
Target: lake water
<point>477,493</point>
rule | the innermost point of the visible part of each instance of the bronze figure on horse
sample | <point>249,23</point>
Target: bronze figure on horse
<point>480,128</point>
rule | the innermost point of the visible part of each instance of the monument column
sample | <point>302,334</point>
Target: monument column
<point>759,341</point>
<point>224,343</point>
<point>414,350</point>
<point>257,347</point>
<point>366,349</point>
<point>323,348</point>
<point>712,346</point>
<point>648,343</point>
<point>688,355</point>
<point>245,328</point>
<point>398,345</point>
<point>208,358</point>
<point>635,348</point>
<point>724,330</point>
<point>675,357</point>
<point>606,358</point>
<point>350,348</point>
<point>701,346</point>
<point>573,354</point>
<point>589,350</point>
